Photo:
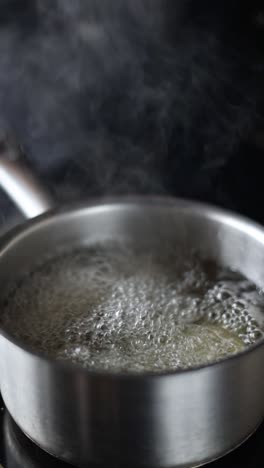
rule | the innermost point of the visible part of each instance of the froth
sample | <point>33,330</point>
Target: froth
<point>113,307</point>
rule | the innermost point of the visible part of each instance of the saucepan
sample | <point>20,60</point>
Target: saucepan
<point>183,418</point>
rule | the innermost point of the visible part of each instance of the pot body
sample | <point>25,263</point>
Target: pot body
<point>178,419</point>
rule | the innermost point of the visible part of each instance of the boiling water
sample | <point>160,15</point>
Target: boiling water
<point>112,307</point>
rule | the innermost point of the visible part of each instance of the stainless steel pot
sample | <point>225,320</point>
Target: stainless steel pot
<point>183,418</point>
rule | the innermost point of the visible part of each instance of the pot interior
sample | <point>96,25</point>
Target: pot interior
<point>150,224</point>
<point>228,240</point>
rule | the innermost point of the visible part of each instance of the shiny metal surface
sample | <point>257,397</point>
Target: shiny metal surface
<point>179,419</point>
<point>20,452</point>
<point>18,182</point>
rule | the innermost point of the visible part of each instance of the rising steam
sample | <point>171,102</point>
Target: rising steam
<point>130,96</point>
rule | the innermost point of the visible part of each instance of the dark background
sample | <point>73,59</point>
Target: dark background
<point>137,96</point>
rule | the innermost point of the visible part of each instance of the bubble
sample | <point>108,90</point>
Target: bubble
<point>116,307</point>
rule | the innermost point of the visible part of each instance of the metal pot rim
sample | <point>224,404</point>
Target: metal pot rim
<point>210,211</point>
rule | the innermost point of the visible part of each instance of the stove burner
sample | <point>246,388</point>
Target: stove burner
<point>17,451</point>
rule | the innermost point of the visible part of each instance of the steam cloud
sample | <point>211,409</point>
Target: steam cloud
<point>147,96</point>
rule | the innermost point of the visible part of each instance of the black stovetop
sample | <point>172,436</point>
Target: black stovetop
<point>17,451</point>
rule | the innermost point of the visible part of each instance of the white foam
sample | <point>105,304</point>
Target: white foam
<point>111,307</point>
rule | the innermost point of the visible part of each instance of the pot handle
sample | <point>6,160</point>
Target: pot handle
<point>18,182</point>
